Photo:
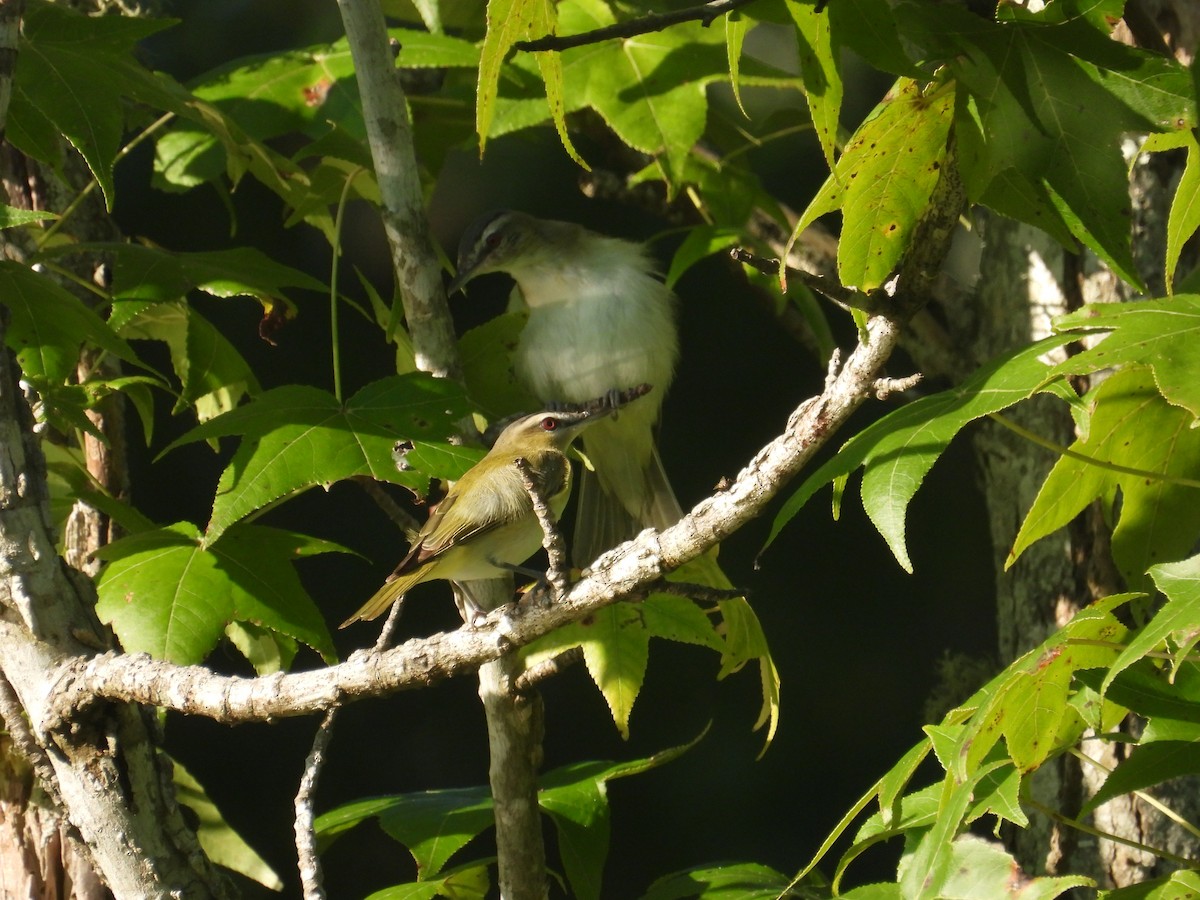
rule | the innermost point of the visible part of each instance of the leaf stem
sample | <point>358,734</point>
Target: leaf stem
<point>1058,817</point>
<point>1142,795</point>
<point>1090,460</point>
<point>333,283</point>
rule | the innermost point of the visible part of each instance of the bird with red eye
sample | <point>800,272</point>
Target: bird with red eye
<point>599,321</point>
<point>486,526</point>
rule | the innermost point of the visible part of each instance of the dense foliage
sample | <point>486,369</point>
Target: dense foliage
<point>1027,109</point>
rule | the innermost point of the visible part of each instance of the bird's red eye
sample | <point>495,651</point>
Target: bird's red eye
<point>492,240</point>
<point>549,424</point>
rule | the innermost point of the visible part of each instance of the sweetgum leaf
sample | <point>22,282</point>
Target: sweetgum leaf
<point>48,324</point>
<point>166,593</point>
<point>296,437</point>
<point>898,450</point>
<point>1161,334</point>
<point>1131,428</point>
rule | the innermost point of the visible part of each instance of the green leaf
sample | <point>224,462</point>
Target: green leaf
<point>168,594</point>
<point>74,73</point>
<point>267,651</point>
<point>869,28</point>
<point>296,437</point>
<point>898,450</point>
<point>735,881</point>
<point>1176,886</point>
<point>471,881</point>
<point>1131,427</point>
<point>616,649</point>
<point>1143,687</point>
<point>486,353</point>
<point>820,71</point>
<point>701,242</point>
<point>982,870</point>
<point>48,324</point>
<point>12,217</point>
<point>1027,704</point>
<point>152,273</point>
<point>433,825</point>
<point>650,89</point>
<point>576,799</point>
<point>736,26</point>
<point>883,891</point>
<point>309,90</point>
<point>1180,582</point>
<point>219,841</point>
<point>1035,80</point>
<point>1184,218</point>
<point>213,375</point>
<point>69,481</point>
<point>932,864</point>
<point>890,168</point>
<point>509,21</point>
<point>1161,334</point>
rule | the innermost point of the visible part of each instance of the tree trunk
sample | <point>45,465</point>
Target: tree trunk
<point>1025,279</point>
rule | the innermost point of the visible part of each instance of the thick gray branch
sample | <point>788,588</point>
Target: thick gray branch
<point>385,112</point>
<point>623,571</point>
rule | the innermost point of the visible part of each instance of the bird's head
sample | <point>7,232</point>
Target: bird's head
<point>546,430</point>
<point>505,241</point>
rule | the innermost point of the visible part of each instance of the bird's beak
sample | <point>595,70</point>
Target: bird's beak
<point>456,284</point>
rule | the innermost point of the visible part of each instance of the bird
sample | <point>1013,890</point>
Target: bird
<point>486,525</point>
<point>599,318</point>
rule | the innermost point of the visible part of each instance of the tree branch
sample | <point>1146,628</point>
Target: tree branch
<point>705,14</point>
<point>872,304</point>
<point>389,134</point>
<point>557,566</point>
<point>623,571</point>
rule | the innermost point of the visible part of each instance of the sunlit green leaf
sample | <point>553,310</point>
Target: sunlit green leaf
<point>1177,886</point>
<point>898,450</point>
<point>213,374</point>
<point>1134,428</point>
<point>983,870</point>
<point>735,881</point>
<point>820,70</point>
<point>166,593</point>
<point>296,437</point>
<point>12,217</point>
<point>1161,334</point>
<point>1035,80</point>
<point>890,168</point>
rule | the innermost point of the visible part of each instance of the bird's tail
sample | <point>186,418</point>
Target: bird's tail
<point>383,598</point>
<point>602,520</point>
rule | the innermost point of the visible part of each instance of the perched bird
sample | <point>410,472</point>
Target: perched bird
<point>486,524</point>
<point>599,319</point>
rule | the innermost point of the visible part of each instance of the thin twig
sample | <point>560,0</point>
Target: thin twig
<point>705,14</point>
<point>552,539</point>
<point>547,668</point>
<point>845,297</point>
<point>1161,852</point>
<point>309,863</point>
<point>885,387</point>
